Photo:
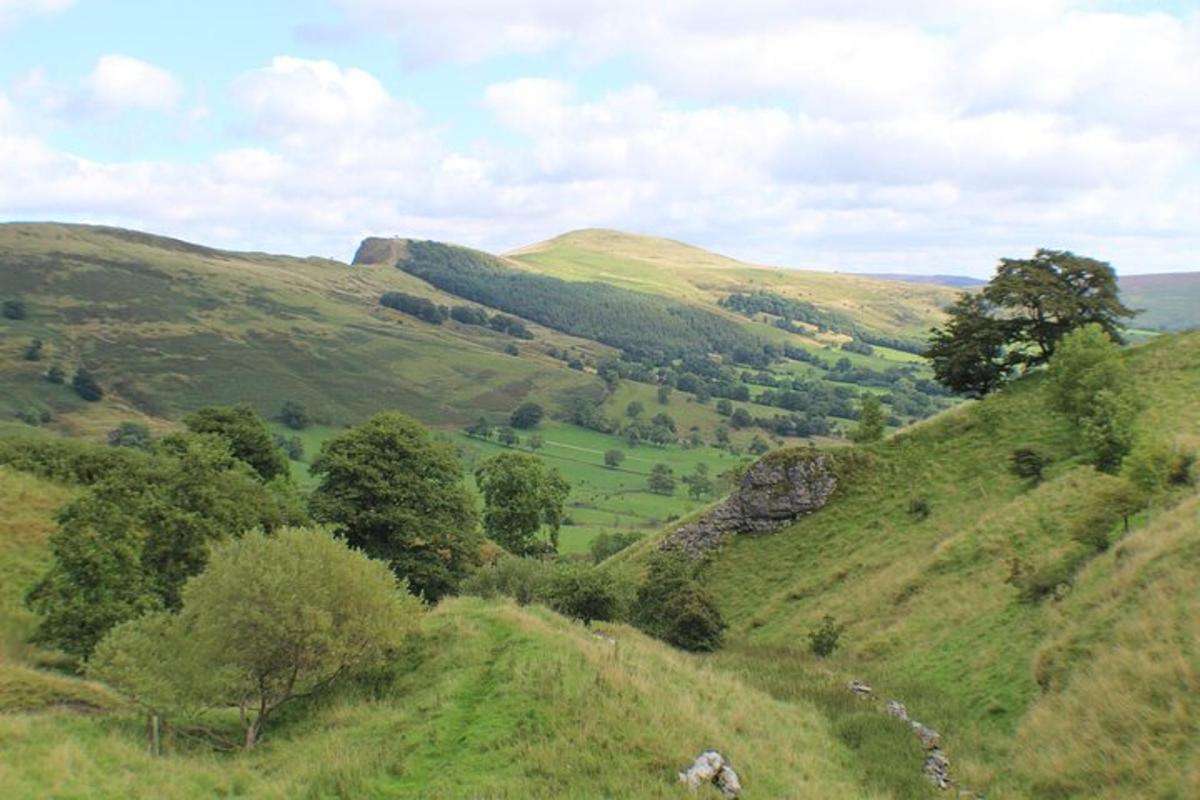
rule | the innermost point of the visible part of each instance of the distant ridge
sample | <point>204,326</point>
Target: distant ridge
<point>953,281</point>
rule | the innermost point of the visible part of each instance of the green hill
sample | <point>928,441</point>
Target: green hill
<point>1088,690</point>
<point>492,701</point>
<point>1167,302</point>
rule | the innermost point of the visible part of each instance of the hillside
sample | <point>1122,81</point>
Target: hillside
<point>491,701</point>
<point>1168,302</point>
<point>674,269</point>
<point>1086,691</point>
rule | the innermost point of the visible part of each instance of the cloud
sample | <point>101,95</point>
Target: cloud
<point>14,11</point>
<point>119,83</point>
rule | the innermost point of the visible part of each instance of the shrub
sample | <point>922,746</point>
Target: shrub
<point>1028,463</point>
<point>582,592</point>
<point>86,386</point>
<point>609,544</point>
<point>613,458</point>
<point>294,415</point>
<point>522,579</point>
<point>1113,502</point>
<point>56,375</point>
<point>33,352</point>
<point>919,508</point>
<point>674,606</point>
<point>14,309</point>
<point>130,434</point>
<point>823,640</point>
<point>246,434</point>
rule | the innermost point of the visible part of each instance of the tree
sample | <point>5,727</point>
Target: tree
<point>1053,293</point>
<point>396,494</point>
<point>128,544</point>
<point>613,458</point>
<point>56,375</point>
<point>759,446</point>
<point>536,442</point>
<point>86,386</point>
<point>14,309</point>
<point>248,437</point>
<point>520,496</point>
<point>271,620</point>
<point>1021,315</point>
<point>871,420</point>
<point>294,415</point>
<point>661,480</point>
<point>969,354</point>
<point>635,409</point>
<point>664,394</point>
<point>583,593</point>
<point>480,428</point>
<point>724,407</point>
<point>674,606</point>
<point>507,437</point>
<point>699,483</point>
<point>526,416</point>
<point>130,434</point>
<point>609,544</point>
<point>33,352</point>
<point>823,640</point>
<point>1088,382</point>
<point>741,419</point>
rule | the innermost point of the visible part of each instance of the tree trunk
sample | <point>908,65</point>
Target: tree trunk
<point>252,733</point>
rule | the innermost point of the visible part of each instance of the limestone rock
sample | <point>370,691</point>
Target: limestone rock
<point>773,493</point>
<point>930,738</point>
<point>710,767</point>
<point>896,709</point>
<point>937,769</point>
<point>859,688</point>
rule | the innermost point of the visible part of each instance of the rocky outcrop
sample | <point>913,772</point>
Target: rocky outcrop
<point>773,493</point>
<point>710,767</point>
<point>375,250</point>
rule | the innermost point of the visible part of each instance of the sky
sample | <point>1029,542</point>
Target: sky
<point>927,136</point>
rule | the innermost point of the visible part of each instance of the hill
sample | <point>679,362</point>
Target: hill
<point>1051,669</point>
<point>1168,301</point>
<point>490,701</point>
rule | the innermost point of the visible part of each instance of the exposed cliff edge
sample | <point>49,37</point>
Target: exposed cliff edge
<point>773,493</point>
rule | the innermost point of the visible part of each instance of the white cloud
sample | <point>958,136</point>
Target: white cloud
<point>119,83</point>
<point>14,11</point>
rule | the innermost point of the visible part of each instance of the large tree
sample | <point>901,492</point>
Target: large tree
<point>520,496</point>
<point>398,495</point>
<point>1021,315</point>
<point>271,619</point>
<point>247,434</point>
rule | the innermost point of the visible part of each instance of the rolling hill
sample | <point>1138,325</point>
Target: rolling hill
<point>1087,690</point>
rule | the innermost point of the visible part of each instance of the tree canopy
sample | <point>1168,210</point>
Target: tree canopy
<point>521,495</point>
<point>398,495</point>
<point>273,618</point>
<point>1019,318</point>
<point>248,437</point>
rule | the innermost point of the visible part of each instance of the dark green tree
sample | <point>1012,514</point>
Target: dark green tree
<point>661,480</point>
<point>294,415</point>
<point>507,437</point>
<point>13,309</point>
<point>526,415</point>
<point>969,355</point>
<point>699,483</point>
<point>247,435</point>
<point>635,409</point>
<point>520,497</point>
<point>393,492</point>
<point>480,428</point>
<point>56,375</point>
<point>86,386</point>
<point>33,352</point>
<point>613,458</point>
<point>584,593</point>
<point>673,605</point>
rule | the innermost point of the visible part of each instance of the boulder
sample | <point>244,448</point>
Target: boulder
<point>710,767</point>
<point>937,769</point>
<point>930,738</point>
<point>859,688</point>
<point>774,492</point>
<point>896,709</point>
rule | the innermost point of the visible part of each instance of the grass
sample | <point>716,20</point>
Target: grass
<point>930,617</point>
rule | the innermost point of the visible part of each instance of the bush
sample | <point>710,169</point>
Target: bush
<point>919,508</point>
<point>33,352</point>
<point>609,544</point>
<point>1028,463</point>
<point>526,415</point>
<point>522,579</point>
<point>582,592</point>
<point>1112,503</point>
<point>130,434</point>
<point>86,386</point>
<point>613,458</point>
<point>823,640</point>
<point>56,375</point>
<point>674,606</point>
<point>14,309</point>
<point>294,415</point>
